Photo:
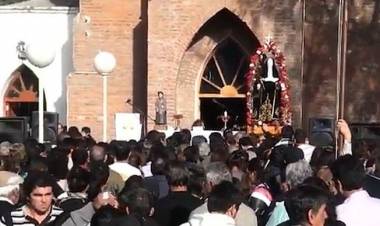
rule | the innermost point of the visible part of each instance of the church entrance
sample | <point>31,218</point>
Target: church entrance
<point>21,96</point>
<point>222,90</point>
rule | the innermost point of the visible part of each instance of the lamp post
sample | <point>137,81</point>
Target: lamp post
<point>41,56</point>
<point>104,63</point>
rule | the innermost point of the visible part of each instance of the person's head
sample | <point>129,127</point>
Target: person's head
<point>133,182</point>
<point>297,172</point>
<point>122,150</point>
<point>80,157</point>
<point>160,94</point>
<point>97,153</point>
<point>216,172</point>
<point>105,216</point>
<point>224,198</point>
<point>38,190</point>
<point>287,132</point>
<point>300,136</point>
<point>191,154</point>
<point>57,164</point>
<point>178,175</point>
<point>137,201</point>
<point>349,174</point>
<point>78,179</point>
<point>159,166</point>
<point>186,136</point>
<point>306,205</point>
<point>197,180</point>
<point>74,133</point>
<point>86,131</point>
<point>10,186</point>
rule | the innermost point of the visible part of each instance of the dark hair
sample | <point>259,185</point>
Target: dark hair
<point>245,141</point>
<point>186,136</point>
<point>301,200</point>
<point>139,201</point>
<point>197,180</point>
<point>74,132</point>
<point>159,166</point>
<point>86,130</point>
<point>133,182</point>
<point>322,157</point>
<point>178,174</point>
<point>57,164</point>
<point>300,136</point>
<point>198,140</point>
<point>78,179</point>
<point>135,159</point>
<point>105,216</point>
<point>349,171</point>
<point>36,179</point>
<point>79,156</point>
<point>122,150</point>
<point>99,173</point>
<point>192,154</point>
<point>287,132</point>
<point>223,196</point>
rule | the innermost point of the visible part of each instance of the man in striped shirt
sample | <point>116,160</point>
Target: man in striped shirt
<point>39,209</point>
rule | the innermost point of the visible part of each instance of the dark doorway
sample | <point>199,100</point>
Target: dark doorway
<point>212,109</point>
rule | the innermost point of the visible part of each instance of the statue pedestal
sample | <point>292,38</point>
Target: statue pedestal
<point>160,127</point>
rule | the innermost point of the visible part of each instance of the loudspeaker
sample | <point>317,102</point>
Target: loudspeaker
<point>13,129</point>
<point>50,126</point>
<point>322,131</point>
<point>367,134</point>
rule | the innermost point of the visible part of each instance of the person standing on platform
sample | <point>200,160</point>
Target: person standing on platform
<point>160,109</point>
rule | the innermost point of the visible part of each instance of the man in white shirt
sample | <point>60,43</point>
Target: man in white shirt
<point>121,166</point>
<point>359,208</point>
<point>301,143</point>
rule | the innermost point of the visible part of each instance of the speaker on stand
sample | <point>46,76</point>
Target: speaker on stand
<point>322,131</point>
<point>13,129</point>
<point>50,126</point>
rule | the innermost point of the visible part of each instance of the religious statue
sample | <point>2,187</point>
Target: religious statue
<point>160,109</point>
<point>266,99</point>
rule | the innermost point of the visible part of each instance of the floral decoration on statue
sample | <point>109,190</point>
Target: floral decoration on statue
<point>268,97</point>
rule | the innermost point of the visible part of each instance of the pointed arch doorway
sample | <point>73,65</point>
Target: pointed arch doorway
<point>21,96</point>
<point>222,88</point>
<point>212,71</point>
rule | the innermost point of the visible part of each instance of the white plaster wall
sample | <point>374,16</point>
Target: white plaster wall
<point>53,26</point>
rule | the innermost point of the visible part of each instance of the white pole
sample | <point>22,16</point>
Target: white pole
<point>105,108</point>
<point>40,110</point>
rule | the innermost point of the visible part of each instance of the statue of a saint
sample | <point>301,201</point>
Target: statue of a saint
<point>266,99</point>
<point>160,109</point>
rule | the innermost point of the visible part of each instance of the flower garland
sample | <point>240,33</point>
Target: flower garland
<point>285,111</point>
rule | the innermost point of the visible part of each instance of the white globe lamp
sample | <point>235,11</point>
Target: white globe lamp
<point>40,55</point>
<point>104,62</point>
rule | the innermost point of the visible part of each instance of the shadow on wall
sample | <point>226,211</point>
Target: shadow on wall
<point>140,61</point>
<point>363,54</point>
<point>66,68</point>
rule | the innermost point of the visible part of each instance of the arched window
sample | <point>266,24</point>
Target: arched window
<point>21,96</point>
<point>223,86</point>
<point>224,73</point>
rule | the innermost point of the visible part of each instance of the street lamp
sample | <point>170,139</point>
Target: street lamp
<point>41,56</point>
<point>104,63</point>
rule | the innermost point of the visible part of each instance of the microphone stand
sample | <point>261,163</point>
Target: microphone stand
<point>144,117</point>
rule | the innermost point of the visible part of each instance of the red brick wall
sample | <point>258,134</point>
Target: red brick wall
<point>173,24</point>
<point>118,26</point>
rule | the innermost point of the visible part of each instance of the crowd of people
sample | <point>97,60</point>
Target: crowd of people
<point>225,179</point>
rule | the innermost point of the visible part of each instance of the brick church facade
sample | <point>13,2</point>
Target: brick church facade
<point>166,46</point>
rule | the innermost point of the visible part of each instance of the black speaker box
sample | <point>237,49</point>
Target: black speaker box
<point>50,126</point>
<point>322,131</point>
<point>365,134</point>
<point>13,129</point>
